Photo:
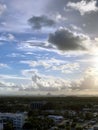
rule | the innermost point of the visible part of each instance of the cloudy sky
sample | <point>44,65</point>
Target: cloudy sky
<point>49,47</point>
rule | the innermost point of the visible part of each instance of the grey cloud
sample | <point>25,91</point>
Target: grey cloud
<point>37,22</point>
<point>88,23</point>
<point>55,6</point>
<point>64,39</point>
<point>91,23</point>
<point>74,17</point>
<point>87,83</point>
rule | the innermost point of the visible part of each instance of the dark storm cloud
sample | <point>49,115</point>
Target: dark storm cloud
<point>37,22</point>
<point>64,39</point>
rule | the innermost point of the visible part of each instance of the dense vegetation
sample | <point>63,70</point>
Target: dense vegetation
<point>13,104</point>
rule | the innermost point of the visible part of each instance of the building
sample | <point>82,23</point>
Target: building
<point>17,119</point>
<point>1,125</point>
<point>56,119</point>
<point>37,105</point>
<point>95,127</point>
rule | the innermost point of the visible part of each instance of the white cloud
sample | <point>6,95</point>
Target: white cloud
<point>91,71</point>
<point>96,39</point>
<point>28,72</point>
<point>47,63</point>
<point>43,83</point>
<point>2,8</point>
<point>8,87</point>
<point>67,67</point>
<point>76,28</point>
<point>3,66</point>
<point>35,44</point>
<point>84,6</point>
<point>15,55</point>
<point>58,17</point>
<point>53,84</point>
<point>12,77</point>
<point>7,37</point>
<point>53,65</point>
<point>88,81</point>
<point>11,36</point>
<point>49,83</point>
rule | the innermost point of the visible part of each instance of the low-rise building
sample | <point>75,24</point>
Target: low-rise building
<point>56,118</point>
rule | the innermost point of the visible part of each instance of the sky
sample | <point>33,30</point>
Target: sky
<point>49,46</point>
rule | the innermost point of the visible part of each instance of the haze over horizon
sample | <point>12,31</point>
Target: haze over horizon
<point>49,47</point>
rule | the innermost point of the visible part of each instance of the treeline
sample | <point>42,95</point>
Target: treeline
<point>13,104</point>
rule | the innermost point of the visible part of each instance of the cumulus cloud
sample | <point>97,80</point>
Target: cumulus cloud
<point>39,82</point>
<point>84,6</point>
<point>86,83</point>
<point>64,39</point>
<point>43,83</point>
<point>48,83</point>
<point>38,22</point>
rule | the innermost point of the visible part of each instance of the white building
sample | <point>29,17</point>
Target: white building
<point>17,119</point>
<point>56,118</point>
<point>1,126</point>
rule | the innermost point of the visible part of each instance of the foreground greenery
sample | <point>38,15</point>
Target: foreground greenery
<point>38,119</point>
<point>14,104</point>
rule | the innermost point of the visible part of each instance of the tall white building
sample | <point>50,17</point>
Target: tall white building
<point>17,119</point>
<point>1,125</point>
